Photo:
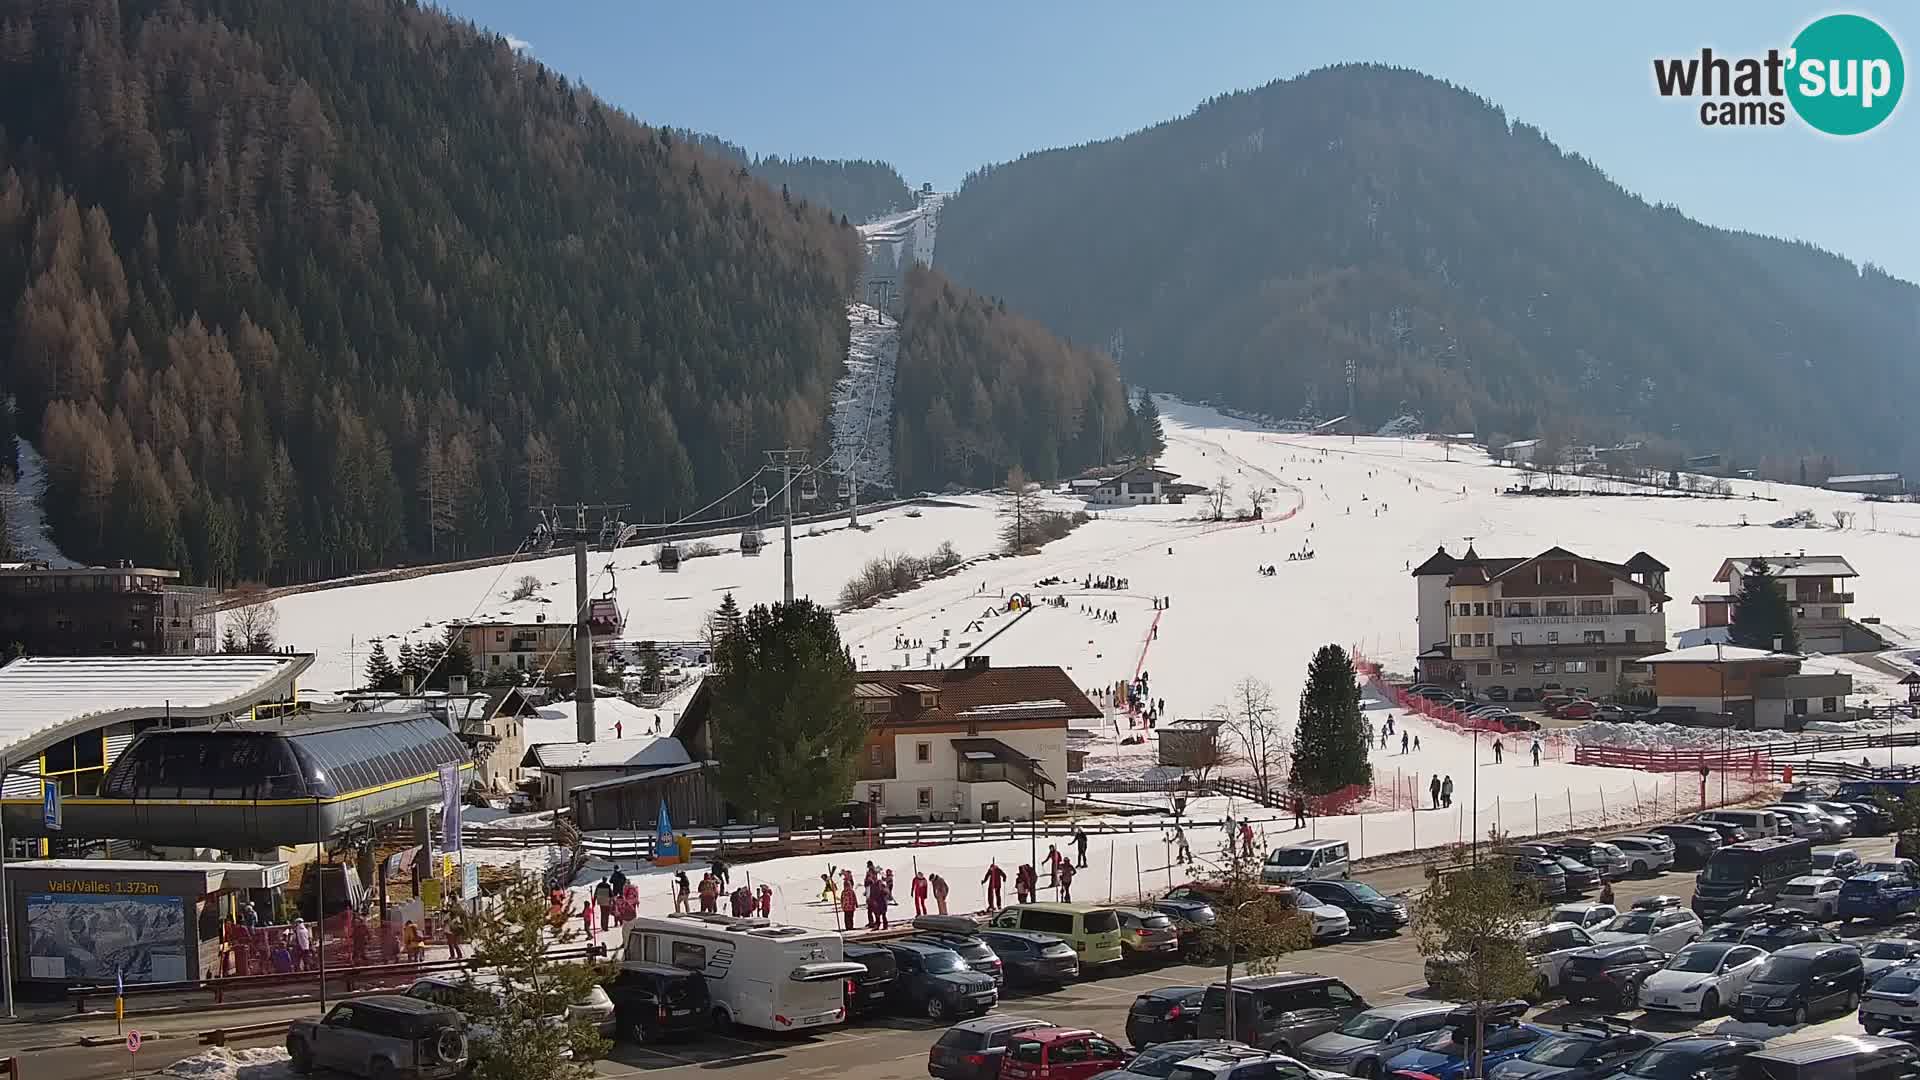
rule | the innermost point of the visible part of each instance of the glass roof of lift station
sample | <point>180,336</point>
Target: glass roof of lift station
<point>298,759</point>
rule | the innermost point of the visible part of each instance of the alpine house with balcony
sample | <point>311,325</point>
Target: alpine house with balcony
<point>1555,617</point>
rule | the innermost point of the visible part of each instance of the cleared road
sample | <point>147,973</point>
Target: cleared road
<point>895,1049</point>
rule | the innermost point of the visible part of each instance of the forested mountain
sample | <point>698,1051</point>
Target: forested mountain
<point>978,390</point>
<point>1468,269</point>
<point>293,288</point>
<point>859,189</point>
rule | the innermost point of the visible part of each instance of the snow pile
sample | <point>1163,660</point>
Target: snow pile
<point>220,1063</point>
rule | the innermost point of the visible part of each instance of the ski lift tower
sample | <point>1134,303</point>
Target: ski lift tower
<point>792,467</point>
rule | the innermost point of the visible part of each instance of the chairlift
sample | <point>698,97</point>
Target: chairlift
<point>668,559</point>
<point>760,497</point>
<point>809,488</point>
<point>751,542</point>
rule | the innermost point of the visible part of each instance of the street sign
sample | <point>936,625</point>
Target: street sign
<point>50,805</point>
<point>133,1042</point>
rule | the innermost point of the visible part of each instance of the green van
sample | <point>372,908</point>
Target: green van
<point>1092,930</point>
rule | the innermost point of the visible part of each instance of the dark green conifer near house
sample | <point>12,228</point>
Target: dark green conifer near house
<point>1330,739</point>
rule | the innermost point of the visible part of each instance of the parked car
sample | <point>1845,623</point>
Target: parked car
<point>1887,953</point>
<point>1060,1054</point>
<point>1448,1054</point>
<point>1837,862</point>
<point>1584,1050</point>
<point>1802,981</point>
<point>1668,929</point>
<point>871,992</point>
<point>1244,1063</point>
<point>386,1035</point>
<point>962,936</point>
<point>1878,896</point>
<point>1545,877</point>
<point>1147,935</point>
<point>1580,877</point>
<point>1368,910</point>
<point>1359,1046</point>
<point>596,1008</point>
<point>1659,902</point>
<point>1548,946</point>
<point>1690,1057</point>
<point>1580,709</point>
<point>1693,845</point>
<point>1496,693</point>
<point>1786,928</point>
<point>1187,910</point>
<point>1589,914</point>
<point>1523,693</point>
<point>1892,1000</point>
<point>1033,959</point>
<point>1805,821</point>
<point>1158,1061</point>
<point>1814,895</point>
<point>652,1002</point>
<point>1899,866</point>
<point>971,1049</point>
<point>1279,1011</point>
<point>1609,974</point>
<point>1870,819</point>
<point>1515,722</point>
<point>1835,1056</point>
<point>1092,929</point>
<point>934,980</point>
<point>1729,832</point>
<point>1609,861</point>
<point>1645,854</point>
<point>1700,979</point>
<point>1165,1014</point>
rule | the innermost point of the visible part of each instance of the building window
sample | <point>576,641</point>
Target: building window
<point>1593,607</point>
<point>1515,637</point>
<point>1574,667</point>
<point>499,636</point>
<point>1600,667</point>
<point>923,752</point>
<point>873,755</point>
<point>1543,667</point>
<point>1626,606</point>
<point>1553,637</point>
<point>925,798</point>
<point>1631,636</point>
<point>1464,641</point>
<point>1556,607</point>
<point>929,701</point>
<point>1828,704</point>
<point>1479,609</point>
<point>1480,641</point>
<point>1799,706</point>
<point>1593,637</point>
<point>1520,609</point>
<point>875,794</point>
<point>1486,669</point>
<point>1509,669</point>
<point>1631,667</point>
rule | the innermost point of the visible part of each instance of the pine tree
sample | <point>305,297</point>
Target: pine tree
<point>408,664</point>
<point>1761,612</point>
<point>1150,438</point>
<point>651,672</point>
<point>1330,740</point>
<point>723,623</point>
<point>456,659</point>
<point>785,729</point>
<point>381,674</point>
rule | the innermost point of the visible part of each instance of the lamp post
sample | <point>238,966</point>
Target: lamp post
<point>1720,665</point>
<point>320,885</point>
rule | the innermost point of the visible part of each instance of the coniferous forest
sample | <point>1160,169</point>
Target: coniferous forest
<point>860,190</point>
<point>1471,272</point>
<point>293,288</point>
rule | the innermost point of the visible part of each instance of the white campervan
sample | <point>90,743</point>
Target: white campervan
<point>759,974</point>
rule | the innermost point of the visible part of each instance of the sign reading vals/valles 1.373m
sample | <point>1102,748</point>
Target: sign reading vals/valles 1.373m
<point>105,888</point>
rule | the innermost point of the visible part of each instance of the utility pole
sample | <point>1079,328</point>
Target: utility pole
<point>790,463</point>
<point>1352,431</point>
<point>583,727</point>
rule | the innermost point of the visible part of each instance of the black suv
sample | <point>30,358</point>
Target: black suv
<point>1802,981</point>
<point>1778,929</point>
<point>1369,911</point>
<point>1697,1057</point>
<point>1030,958</point>
<point>872,991</point>
<point>972,1049</point>
<point>1164,1014</point>
<point>1693,845</point>
<point>654,1001</point>
<point>934,980</point>
<point>1610,974</point>
<point>961,935</point>
<point>1579,1051</point>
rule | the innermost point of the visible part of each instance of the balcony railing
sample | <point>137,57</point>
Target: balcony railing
<point>1825,598</point>
<point>1631,649</point>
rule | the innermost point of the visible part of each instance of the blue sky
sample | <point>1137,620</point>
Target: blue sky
<point>940,89</point>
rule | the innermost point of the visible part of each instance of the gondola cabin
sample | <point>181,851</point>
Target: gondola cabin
<point>751,542</point>
<point>668,559</point>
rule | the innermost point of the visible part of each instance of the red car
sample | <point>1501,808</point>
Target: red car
<point>1576,710</point>
<point>1060,1054</point>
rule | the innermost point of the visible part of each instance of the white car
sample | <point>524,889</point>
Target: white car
<point>1587,914</point>
<point>1814,894</point>
<point>1879,956</point>
<point>1247,1063</point>
<point>1701,979</point>
<point>1645,854</point>
<point>1892,1001</point>
<point>1669,929</point>
<point>1329,923</point>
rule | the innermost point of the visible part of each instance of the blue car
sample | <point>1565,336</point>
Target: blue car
<point>1448,1054</point>
<point>1879,896</point>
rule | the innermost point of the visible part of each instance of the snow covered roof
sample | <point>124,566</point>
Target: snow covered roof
<point>649,774</point>
<point>44,699</point>
<point>1789,566</point>
<point>554,722</point>
<point>653,751</point>
<point>1711,654</point>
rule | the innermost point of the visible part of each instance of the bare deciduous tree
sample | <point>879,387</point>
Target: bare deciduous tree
<point>526,587</point>
<point>1257,498</point>
<point>1217,498</point>
<point>1019,506</point>
<point>251,629</point>
<point>1256,731</point>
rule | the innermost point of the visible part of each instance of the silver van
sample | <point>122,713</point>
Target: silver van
<point>1306,860</point>
<point>1756,824</point>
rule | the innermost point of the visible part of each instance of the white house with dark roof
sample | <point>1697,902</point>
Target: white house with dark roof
<point>1138,485</point>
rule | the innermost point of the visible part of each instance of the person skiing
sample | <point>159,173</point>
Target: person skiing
<point>1403,742</point>
<point>1416,744</point>
<point>1066,881</point>
<point>829,889</point>
<point>994,879</point>
<point>919,893</point>
<point>1026,883</point>
<point>1536,753</point>
<point>939,886</point>
<point>619,883</point>
<point>720,865</point>
<point>1434,789</point>
<point>1080,845</point>
<point>709,893</point>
